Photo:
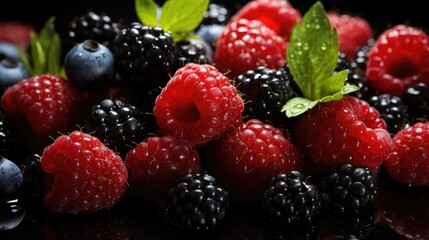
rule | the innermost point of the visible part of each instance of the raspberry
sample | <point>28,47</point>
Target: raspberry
<point>198,104</point>
<point>245,159</point>
<point>156,163</point>
<point>83,175</point>
<point>290,200</point>
<point>398,59</point>
<point>353,32</point>
<point>342,131</point>
<point>46,104</point>
<point>408,161</point>
<point>278,15</point>
<point>195,202</point>
<point>16,32</point>
<point>247,44</point>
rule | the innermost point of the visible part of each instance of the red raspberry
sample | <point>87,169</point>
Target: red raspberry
<point>198,104</point>
<point>45,104</point>
<point>279,15</point>
<point>83,175</point>
<point>247,44</point>
<point>353,32</point>
<point>245,158</point>
<point>156,163</point>
<point>408,161</point>
<point>398,59</point>
<point>16,33</point>
<point>343,131</point>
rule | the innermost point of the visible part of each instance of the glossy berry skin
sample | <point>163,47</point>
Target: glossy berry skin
<point>353,32</point>
<point>278,15</point>
<point>96,26</point>
<point>195,202</point>
<point>349,188</point>
<point>198,104</point>
<point>11,143</point>
<point>11,179</point>
<point>89,66</point>
<point>246,157</point>
<point>265,91</point>
<point>82,174</point>
<point>398,60</point>
<point>118,124</point>
<point>342,131</point>
<point>47,102</point>
<point>144,56</point>
<point>193,51</point>
<point>290,200</point>
<point>210,33</point>
<point>417,100</point>
<point>11,72</point>
<point>155,164</point>
<point>408,162</point>
<point>216,14</point>
<point>393,111</point>
<point>247,44</point>
<point>8,50</point>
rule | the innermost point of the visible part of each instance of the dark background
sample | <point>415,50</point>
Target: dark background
<point>380,16</point>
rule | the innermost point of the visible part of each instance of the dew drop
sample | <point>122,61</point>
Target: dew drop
<point>323,47</point>
<point>300,106</point>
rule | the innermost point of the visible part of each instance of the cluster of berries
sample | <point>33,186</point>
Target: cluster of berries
<point>192,117</point>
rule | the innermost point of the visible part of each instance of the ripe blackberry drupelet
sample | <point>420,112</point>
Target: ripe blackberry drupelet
<point>265,91</point>
<point>291,200</point>
<point>10,140</point>
<point>193,51</point>
<point>392,110</point>
<point>216,14</point>
<point>195,202</point>
<point>98,27</point>
<point>145,56</point>
<point>349,189</point>
<point>417,100</point>
<point>117,123</point>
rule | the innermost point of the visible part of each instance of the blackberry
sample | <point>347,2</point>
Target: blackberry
<point>194,51</point>
<point>216,14</point>
<point>291,200</point>
<point>117,123</point>
<point>195,203</point>
<point>392,110</point>
<point>97,27</point>
<point>360,59</point>
<point>417,100</point>
<point>33,176</point>
<point>349,189</point>
<point>145,56</point>
<point>10,141</point>
<point>355,77</point>
<point>265,91</point>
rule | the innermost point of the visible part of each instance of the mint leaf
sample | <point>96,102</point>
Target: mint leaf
<point>312,56</point>
<point>147,12</point>
<point>297,106</point>
<point>312,53</point>
<point>182,15</point>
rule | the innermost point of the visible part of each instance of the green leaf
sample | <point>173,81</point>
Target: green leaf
<point>147,12</point>
<point>38,56</point>
<point>24,59</point>
<point>333,83</point>
<point>54,56</point>
<point>312,53</point>
<point>182,15</point>
<point>297,106</point>
<point>47,33</point>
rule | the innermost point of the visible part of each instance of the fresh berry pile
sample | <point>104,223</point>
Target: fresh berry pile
<point>297,116</point>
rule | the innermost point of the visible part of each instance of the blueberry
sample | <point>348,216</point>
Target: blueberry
<point>210,33</point>
<point>11,215</point>
<point>89,66</point>
<point>11,71</point>
<point>11,179</point>
<point>8,50</point>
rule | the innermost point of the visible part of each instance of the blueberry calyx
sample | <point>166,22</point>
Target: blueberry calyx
<point>91,45</point>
